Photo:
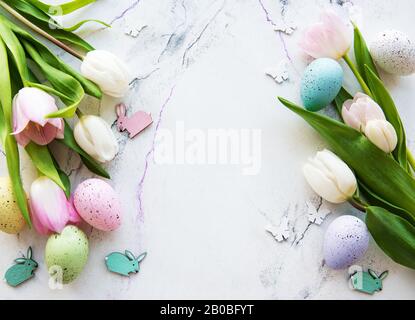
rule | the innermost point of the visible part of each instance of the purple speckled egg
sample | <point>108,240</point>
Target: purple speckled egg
<point>98,204</point>
<point>346,241</point>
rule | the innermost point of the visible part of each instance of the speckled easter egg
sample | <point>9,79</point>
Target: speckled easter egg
<point>98,204</point>
<point>394,52</point>
<point>67,252</point>
<point>11,219</point>
<point>321,82</point>
<point>346,241</point>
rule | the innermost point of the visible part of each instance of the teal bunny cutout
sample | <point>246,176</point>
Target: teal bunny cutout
<point>368,282</point>
<point>23,270</point>
<point>124,264</point>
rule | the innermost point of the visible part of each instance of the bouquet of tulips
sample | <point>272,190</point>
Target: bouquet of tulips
<point>33,82</point>
<point>369,164</point>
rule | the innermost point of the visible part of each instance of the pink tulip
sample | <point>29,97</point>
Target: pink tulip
<point>358,112</point>
<point>30,108</point>
<point>329,38</point>
<point>50,210</point>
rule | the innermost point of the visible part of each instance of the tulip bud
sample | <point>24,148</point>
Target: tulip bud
<point>49,208</point>
<point>30,108</point>
<point>330,177</point>
<point>357,112</point>
<point>96,138</point>
<point>330,38</point>
<point>382,134</point>
<point>107,71</point>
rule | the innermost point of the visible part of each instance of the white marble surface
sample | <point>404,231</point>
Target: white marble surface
<point>202,63</point>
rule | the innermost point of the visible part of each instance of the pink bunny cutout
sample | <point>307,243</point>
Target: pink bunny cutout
<point>134,124</point>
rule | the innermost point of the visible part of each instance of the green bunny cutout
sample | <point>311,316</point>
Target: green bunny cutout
<point>368,282</point>
<point>124,264</point>
<point>23,270</point>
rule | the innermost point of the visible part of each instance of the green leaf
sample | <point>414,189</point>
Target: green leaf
<point>51,59</point>
<point>90,163</point>
<point>43,161</point>
<point>64,177</point>
<point>13,166</point>
<point>375,200</point>
<point>15,48</point>
<point>47,23</point>
<point>383,98</point>
<point>394,235</point>
<point>80,24</point>
<point>61,81</point>
<point>374,168</point>
<point>61,9</point>
<point>342,96</point>
<point>10,145</point>
<point>362,55</point>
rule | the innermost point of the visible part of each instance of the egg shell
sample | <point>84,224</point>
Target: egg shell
<point>11,219</point>
<point>346,241</point>
<point>394,52</point>
<point>98,204</point>
<point>69,251</point>
<point>321,82</point>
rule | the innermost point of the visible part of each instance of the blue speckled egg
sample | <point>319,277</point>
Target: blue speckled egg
<point>322,81</point>
<point>346,241</point>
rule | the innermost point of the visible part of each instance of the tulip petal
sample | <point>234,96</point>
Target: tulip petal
<point>344,178</point>
<point>95,137</point>
<point>20,121</point>
<point>382,134</point>
<point>39,227</point>
<point>41,135</point>
<point>322,185</point>
<point>108,71</point>
<point>329,38</point>
<point>49,205</point>
<point>74,217</point>
<point>22,139</point>
<point>35,104</point>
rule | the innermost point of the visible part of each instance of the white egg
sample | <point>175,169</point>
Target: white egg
<point>394,52</point>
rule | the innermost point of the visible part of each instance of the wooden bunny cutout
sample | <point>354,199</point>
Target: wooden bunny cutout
<point>23,270</point>
<point>134,124</point>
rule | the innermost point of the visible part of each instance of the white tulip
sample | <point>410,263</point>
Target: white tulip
<point>96,138</point>
<point>382,134</point>
<point>107,71</point>
<point>330,177</point>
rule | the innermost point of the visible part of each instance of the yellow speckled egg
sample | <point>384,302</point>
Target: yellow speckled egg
<point>11,219</point>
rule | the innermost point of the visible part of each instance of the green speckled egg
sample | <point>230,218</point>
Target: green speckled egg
<point>11,219</point>
<point>322,81</point>
<point>69,251</point>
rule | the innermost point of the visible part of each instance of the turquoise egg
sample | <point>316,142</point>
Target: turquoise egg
<point>322,81</point>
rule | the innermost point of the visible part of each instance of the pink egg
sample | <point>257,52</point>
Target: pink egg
<point>98,204</point>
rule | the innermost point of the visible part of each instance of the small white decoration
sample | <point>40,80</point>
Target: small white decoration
<point>287,28</point>
<point>279,74</point>
<point>280,233</point>
<point>314,216</point>
<point>134,32</point>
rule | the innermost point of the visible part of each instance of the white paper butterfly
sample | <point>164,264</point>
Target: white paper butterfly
<point>287,28</point>
<point>279,74</point>
<point>134,32</point>
<point>314,216</point>
<point>280,233</point>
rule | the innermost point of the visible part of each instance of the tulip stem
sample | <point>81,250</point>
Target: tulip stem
<point>358,75</point>
<point>357,203</point>
<point>411,159</point>
<point>79,113</point>
<point>43,33</point>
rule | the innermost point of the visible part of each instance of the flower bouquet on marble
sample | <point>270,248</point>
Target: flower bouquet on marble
<point>369,164</point>
<point>39,93</point>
